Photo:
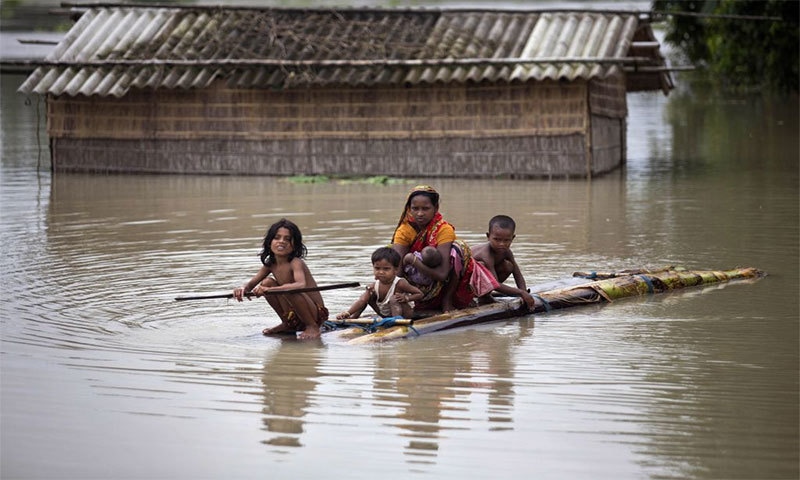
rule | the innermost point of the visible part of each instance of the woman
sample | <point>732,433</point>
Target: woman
<point>422,225</point>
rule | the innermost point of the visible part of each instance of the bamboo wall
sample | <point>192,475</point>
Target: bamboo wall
<point>607,148</point>
<point>607,97</point>
<point>517,130</point>
<point>609,108</point>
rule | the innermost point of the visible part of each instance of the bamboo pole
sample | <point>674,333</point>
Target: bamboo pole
<point>635,283</point>
<point>270,293</point>
<point>369,321</point>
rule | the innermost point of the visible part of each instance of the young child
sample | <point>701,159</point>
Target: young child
<point>497,257</point>
<point>392,295</point>
<point>284,269</point>
<point>429,256</point>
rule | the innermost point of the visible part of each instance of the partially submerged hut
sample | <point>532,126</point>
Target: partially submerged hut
<point>411,92</point>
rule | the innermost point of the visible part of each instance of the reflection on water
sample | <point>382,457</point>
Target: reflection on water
<point>425,392</point>
<point>436,402</point>
<point>289,379</point>
<point>102,371</point>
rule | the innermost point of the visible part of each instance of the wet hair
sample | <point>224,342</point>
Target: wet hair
<point>503,221</point>
<point>298,249</point>
<point>387,253</point>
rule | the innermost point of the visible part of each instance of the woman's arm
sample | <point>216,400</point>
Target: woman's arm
<point>441,271</point>
<point>401,249</point>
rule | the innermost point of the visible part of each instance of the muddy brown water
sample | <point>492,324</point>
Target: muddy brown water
<point>104,375</point>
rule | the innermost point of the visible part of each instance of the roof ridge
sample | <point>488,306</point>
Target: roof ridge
<point>407,9</point>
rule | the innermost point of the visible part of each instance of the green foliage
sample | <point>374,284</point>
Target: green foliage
<point>309,179</point>
<point>376,180</point>
<point>739,53</point>
<point>686,32</point>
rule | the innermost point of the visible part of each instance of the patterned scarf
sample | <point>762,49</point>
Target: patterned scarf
<point>428,236</point>
<point>460,253</point>
<point>406,216</point>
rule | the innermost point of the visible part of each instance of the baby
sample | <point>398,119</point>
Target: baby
<point>431,257</point>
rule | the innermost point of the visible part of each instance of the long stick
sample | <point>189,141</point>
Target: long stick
<point>283,292</point>
<point>370,321</point>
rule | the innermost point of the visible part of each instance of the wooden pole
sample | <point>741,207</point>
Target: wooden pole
<point>284,292</point>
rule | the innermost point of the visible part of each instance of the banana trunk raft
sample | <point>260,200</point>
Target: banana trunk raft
<point>582,289</point>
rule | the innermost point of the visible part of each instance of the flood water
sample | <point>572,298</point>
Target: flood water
<point>104,375</point>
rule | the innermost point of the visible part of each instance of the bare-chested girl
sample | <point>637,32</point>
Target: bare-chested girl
<point>283,270</point>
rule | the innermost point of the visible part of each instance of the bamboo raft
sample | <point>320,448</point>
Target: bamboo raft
<point>582,289</point>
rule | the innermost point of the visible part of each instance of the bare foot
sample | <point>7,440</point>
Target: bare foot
<point>309,333</point>
<point>485,300</point>
<point>278,329</point>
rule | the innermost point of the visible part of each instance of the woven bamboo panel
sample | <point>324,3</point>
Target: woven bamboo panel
<point>444,111</point>
<point>607,97</point>
<point>516,130</point>
<point>512,157</point>
<point>607,135</point>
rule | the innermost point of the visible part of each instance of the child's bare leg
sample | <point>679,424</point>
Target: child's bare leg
<point>374,304</point>
<point>306,311</point>
<point>504,270</point>
<point>404,310</point>
<point>281,307</point>
<point>486,299</point>
<point>449,291</point>
<point>284,311</point>
<point>396,308</point>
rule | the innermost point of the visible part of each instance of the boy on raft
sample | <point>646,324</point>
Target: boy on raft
<point>497,257</point>
<point>392,295</point>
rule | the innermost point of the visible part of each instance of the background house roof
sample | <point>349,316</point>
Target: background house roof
<point>112,49</point>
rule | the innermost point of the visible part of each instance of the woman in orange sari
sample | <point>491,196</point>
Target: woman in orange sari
<point>422,225</point>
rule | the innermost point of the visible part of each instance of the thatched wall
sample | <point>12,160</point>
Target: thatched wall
<point>607,97</point>
<point>607,143</point>
<point>458,157</point>
<point>608,106</point>
<point>519,130</point>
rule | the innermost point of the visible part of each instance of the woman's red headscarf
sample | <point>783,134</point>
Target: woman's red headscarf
<point>406,216</point>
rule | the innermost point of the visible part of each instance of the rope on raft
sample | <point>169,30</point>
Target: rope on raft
<point>377,323</point>
<point>649,283</point>
<point>544,302</point>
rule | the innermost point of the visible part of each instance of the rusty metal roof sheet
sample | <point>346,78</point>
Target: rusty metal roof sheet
<point>112,49</point>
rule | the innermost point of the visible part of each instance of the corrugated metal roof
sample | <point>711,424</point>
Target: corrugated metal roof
<point>115,48</point>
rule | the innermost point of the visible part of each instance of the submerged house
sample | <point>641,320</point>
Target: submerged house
<point>400,92</point>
